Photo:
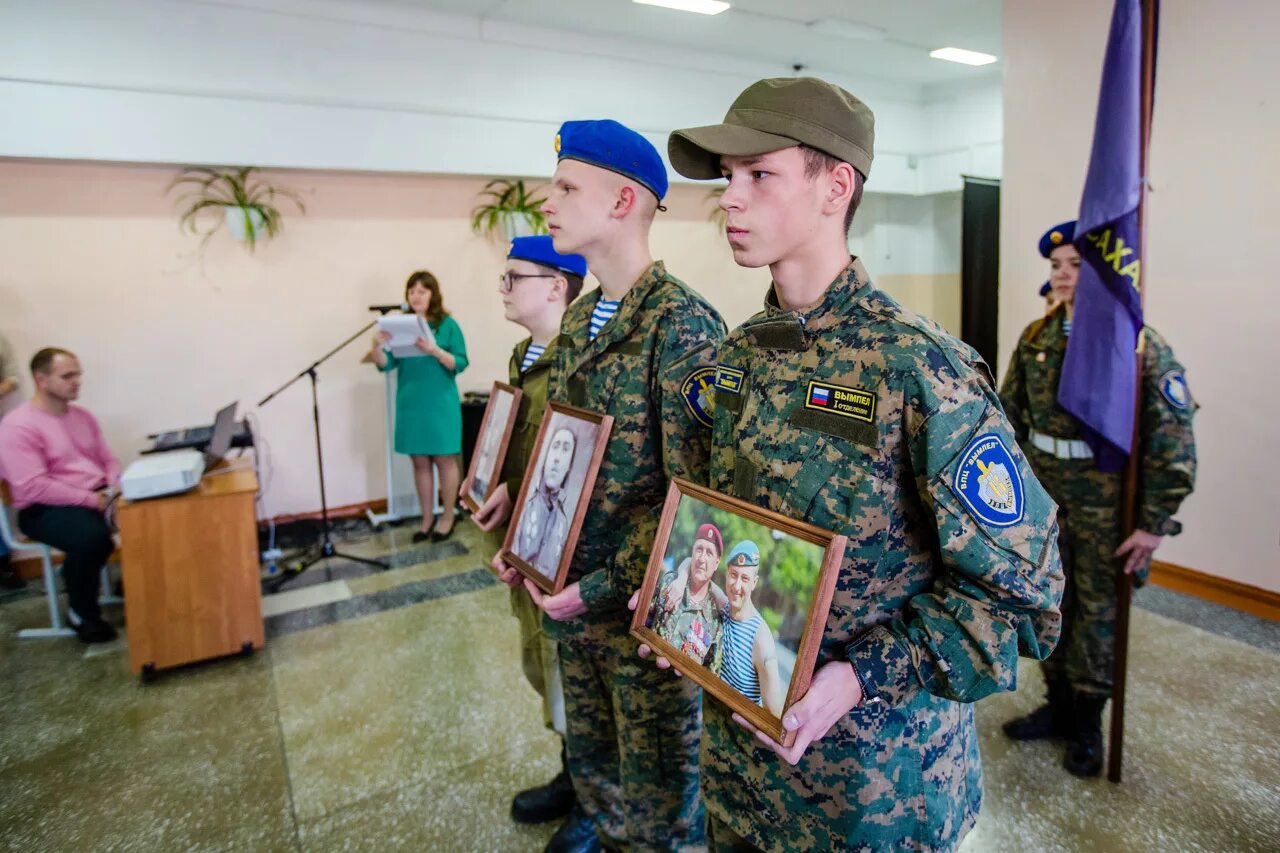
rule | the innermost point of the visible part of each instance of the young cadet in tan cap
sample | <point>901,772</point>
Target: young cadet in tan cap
<point>638,349</point>
<point>839,407</point>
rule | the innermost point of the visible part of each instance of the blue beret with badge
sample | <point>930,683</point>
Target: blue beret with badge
<point>745,554</point>
<point>1046,289</point>
<point>616,147</point>
<point>1058,235</point>
<point>538,249</point>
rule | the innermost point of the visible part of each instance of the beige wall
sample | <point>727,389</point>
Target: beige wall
<point>1213,221</point>
<point>93,261</point>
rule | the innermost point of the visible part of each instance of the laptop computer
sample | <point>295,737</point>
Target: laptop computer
<point>220,437</point>
<point>194,437</point>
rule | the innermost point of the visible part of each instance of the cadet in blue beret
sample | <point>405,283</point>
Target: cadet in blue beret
<point>640,350</point>
<point>1078,674</point>
<point>1059,235</point>
<point>750,653</point>
<point>537,286</point>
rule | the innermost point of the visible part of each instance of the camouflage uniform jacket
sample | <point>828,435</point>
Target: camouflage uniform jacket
<point>643,369</point>
<point>533,384</point>
<point>864,419</point>
<point>1167,443</point>
<point>694,627</point>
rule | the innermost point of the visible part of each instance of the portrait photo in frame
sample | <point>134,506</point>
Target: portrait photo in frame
<point>736,598</point>
<point>491,445</point>
<point>547,514</point>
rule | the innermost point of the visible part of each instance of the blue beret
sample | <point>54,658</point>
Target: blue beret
<point>1046,289</point>
<point>538,250</point>
<point>615,147</point>
<point>1058,235</point>
<point>745,553</point>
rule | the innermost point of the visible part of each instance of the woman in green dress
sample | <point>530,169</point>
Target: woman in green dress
<point>428,409</point>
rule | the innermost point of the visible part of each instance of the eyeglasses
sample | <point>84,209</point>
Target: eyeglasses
<point>508,279</point>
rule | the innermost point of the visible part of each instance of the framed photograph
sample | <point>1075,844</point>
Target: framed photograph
<point>491,445</point>
<point>736,597</point>
<point>548,512</point>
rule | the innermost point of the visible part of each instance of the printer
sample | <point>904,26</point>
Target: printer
<point>178,470</point>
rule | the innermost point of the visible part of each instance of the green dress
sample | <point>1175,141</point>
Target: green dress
<point>428,409</point>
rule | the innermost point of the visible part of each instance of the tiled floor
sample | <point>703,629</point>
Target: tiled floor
<point>388,712</point>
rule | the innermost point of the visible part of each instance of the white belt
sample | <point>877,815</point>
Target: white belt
<point>1063,448</point>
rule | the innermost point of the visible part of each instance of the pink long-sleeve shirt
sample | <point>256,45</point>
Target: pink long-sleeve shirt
<point>56,460</point>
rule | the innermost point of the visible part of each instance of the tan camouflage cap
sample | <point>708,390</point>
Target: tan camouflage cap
<point>778,113</point>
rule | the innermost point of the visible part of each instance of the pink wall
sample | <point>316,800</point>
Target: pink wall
<point>94,261</point>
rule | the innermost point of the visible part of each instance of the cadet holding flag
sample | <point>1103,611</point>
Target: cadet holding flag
<point>639,349</point>
<point>1079,674</point>
<point>1093,388</point>
<point>838,407</point>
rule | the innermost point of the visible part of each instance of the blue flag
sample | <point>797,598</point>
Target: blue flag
<point>1099,374</point>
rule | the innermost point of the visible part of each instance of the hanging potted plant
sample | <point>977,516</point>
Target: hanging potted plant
<point>247,203</point>
<point>507,210</point>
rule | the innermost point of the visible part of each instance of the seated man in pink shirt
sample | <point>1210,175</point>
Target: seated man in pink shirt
<point>62,476</point>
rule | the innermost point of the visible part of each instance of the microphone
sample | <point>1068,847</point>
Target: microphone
<point>387,309</point>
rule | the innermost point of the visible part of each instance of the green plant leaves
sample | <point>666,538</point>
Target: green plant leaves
<point>214,188</point>
<point>502,197</point>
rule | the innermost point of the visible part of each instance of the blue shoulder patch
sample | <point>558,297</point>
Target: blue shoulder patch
<point>987,479</point>
<point>1173,385</point>
<point>698,389</point>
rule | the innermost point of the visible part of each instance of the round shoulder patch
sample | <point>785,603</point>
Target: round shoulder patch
<point>1173,385</point>
<point>698,389</point>
<point>988,481</point>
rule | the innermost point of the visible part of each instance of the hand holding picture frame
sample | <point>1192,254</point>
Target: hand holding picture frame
<point>736,598</point>
<point>548,513</point>
<point>491,445</point>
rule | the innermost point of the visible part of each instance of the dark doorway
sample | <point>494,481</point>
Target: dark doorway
<point>980,266</point>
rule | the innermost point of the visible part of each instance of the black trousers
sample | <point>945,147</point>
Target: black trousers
<point>83,535</point>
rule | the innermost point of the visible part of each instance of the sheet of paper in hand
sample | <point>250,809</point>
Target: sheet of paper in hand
<point>405,329</point>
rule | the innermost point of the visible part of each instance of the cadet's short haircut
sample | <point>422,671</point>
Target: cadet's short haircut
<point>573,283</point>
<point>816,162</point>
<point>42,361</point>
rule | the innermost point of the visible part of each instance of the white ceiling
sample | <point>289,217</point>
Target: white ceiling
<point>775,31</point>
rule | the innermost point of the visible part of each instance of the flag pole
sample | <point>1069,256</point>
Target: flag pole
<point>1129,518</point>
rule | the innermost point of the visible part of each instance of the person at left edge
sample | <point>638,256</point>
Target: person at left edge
<point>63,477</point>
<point>428,408</point>
<point>537,286</point>
<point>639,349</point>
<point>8,387</point>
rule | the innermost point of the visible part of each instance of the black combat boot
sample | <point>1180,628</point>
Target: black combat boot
<point>576,835</point>
<point>1084,750</point>
<point>1051,720</point>
<point>551,801</point>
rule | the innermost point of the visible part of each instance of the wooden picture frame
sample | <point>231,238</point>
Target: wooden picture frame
<point>538,553</point>
<point>501,436</point>
<point>824,553</point>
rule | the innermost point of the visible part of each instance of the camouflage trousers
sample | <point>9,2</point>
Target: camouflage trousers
<point>1089,521</point>
<point>540,658</point>
<point>633,739</point>
<point>722,839</point>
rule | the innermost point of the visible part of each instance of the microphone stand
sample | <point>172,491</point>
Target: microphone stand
<point>325,548</point>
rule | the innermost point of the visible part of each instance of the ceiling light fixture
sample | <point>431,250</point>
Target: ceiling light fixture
<point>846,29</point>
<point>964,57</point>
<point>702,7</point>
